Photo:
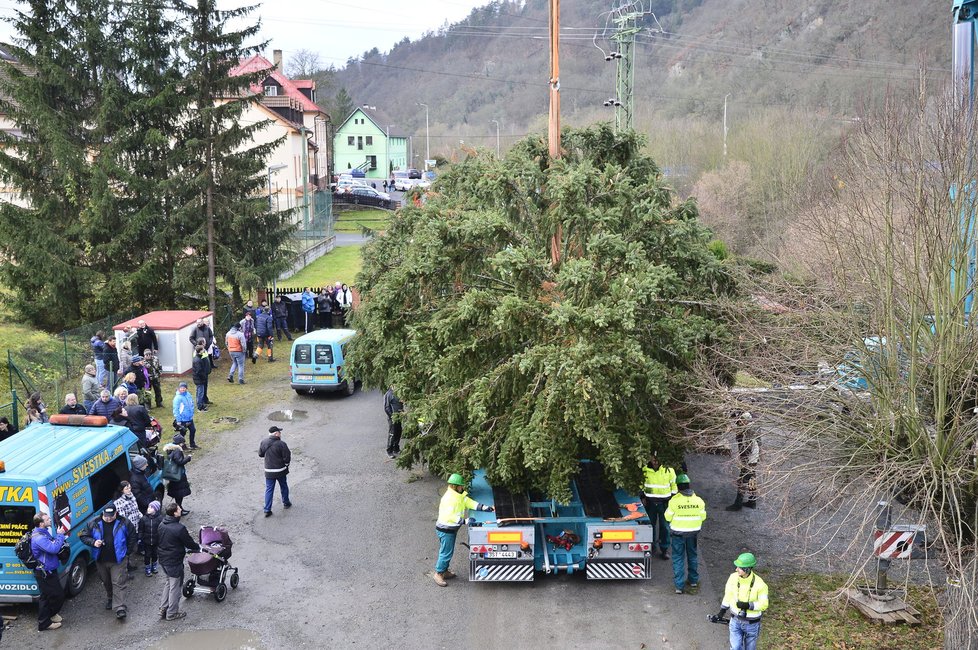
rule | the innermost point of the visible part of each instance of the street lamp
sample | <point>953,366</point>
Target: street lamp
<point>389,166</point>
<point>497,136</point>
<point>427,149</point>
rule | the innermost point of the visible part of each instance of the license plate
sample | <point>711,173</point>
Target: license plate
<point>303,377</point>
<point>501,555</point>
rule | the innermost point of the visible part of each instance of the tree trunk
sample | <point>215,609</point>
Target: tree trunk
<point>211,252</point>
<point>960,614</point>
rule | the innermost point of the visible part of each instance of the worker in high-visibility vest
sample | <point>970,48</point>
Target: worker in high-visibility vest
<point>660,485</point>
<point>686,513</point>
<point>745,597</point>
<point>452,513</point>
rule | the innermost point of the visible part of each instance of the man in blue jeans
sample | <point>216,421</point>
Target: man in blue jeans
<point>277,458</point>
<point>685,513</point>
<point>452,513</point>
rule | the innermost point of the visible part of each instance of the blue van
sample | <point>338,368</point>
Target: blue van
<point>317,362</point>
<point>69,472</point>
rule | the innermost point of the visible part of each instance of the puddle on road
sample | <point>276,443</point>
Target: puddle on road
<point>287,415</point>
<point>211,640</point>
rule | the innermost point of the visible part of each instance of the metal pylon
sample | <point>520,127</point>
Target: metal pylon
<point>625,31</point>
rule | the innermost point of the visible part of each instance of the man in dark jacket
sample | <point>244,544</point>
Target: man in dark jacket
<point>72,407</point>
<point>114,539</point>
<point>45,548</point>
<point>277,458</point>
<point>280,311</point>
<point>174,543</point>
<point>201,371</point>
<point>265,330</point>
<point>141,489</point>
<point>393,407</point>
<point>202,331</point>
<point>105,406</point>
<point>145,337</point>
<point>324,308</point>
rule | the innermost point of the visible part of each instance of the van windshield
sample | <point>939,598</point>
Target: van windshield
<point>14,522</point>
<point>303,354</point>
<point>324,354</point>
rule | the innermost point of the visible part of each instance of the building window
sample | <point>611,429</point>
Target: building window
<point>349,140</point>
<point>360,142</point>
<point>373,161</point>
<point>271,91</point>
<point>370,140</point>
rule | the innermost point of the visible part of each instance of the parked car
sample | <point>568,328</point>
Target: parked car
<point>401,181</point>
<point>347,184</point>
<point>414,173</point>
<point>371,192</point>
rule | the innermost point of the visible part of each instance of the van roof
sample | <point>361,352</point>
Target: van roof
<point>42,452</point>
<point>326,336</point>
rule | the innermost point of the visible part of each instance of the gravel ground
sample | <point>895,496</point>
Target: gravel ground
<point>349,565</point>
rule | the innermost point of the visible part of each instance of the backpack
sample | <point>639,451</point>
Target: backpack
<point>24,553</point>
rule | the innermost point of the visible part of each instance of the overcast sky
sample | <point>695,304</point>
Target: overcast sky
<point>336,30</point>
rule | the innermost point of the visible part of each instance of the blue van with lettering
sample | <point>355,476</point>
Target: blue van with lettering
<point>70,469</point>
<point>317,362</point>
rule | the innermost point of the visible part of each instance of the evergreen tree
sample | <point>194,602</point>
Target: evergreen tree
<point>343,105</point>
<point>153,183</point>
<point>523,363</point>
<point>239,230</point>
<point>57,93</point>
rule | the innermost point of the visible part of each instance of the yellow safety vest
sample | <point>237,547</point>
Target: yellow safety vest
<point>685,514</point>
<point>452,509</point>
<point>751,589</point>
<point>659,483</point>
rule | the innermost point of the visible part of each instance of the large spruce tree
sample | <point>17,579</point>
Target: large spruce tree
<point>58,93</point>
<point>522,361</point>
<point>242,236</point>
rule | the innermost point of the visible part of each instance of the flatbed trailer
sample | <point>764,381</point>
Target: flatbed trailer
<point>601,532</point>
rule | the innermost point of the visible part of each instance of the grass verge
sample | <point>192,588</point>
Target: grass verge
<point>341,264</point>
<point>353,221</point>
<point>805,613</point>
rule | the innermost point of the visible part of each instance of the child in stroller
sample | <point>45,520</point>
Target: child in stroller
<point>210,568</point>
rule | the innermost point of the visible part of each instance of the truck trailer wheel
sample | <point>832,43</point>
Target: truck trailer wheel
<point>77,575</point>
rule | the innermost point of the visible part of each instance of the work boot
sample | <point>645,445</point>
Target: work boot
<point>53,626</point>
<point>271,359</point>
<point>149,571</point>
<point>751,504</point>
<point>439,579</point>
<point>153,568</point>
<point>448,574</point>
<point>737,504</point>
<point>664,554</point>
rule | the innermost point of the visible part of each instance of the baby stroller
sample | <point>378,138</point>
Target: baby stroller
<point>210,568</point>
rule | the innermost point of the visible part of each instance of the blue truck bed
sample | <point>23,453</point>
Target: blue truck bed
<point>602,532</point>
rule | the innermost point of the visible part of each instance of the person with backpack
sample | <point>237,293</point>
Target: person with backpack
<point>149,535</point>
<point>44,549</point>
<point>265,330</point>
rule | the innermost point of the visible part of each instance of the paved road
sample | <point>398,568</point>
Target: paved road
<point>349,565</point>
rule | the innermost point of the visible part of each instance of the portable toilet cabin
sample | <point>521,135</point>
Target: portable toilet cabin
<point>173,335</point>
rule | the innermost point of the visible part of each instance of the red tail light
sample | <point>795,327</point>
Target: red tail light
<point>639,547</point>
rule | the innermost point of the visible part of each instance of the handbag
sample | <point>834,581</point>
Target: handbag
<point>215,352</point>
<point>171,471</point>
<point>64,553</point>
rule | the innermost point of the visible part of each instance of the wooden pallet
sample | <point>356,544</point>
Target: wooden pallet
<point>883,612</point>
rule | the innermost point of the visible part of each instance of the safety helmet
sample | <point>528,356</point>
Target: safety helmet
<point>456,479</point>
<point>682,478</point>
<point>745,561</point>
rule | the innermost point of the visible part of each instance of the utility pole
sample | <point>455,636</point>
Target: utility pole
<point>496,122</point>
<point>626,23</point>
<point>427,148</point>
<point>725,124</point>
<point>553,134</point>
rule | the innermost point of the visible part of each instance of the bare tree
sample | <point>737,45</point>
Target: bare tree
<point>303,64</point>
<point>880,302</point>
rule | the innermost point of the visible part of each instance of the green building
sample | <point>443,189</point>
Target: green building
<point>369,141</point>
